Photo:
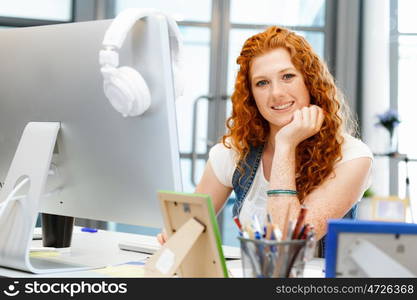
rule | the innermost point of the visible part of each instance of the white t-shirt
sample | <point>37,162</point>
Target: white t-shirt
<point>223,161</point>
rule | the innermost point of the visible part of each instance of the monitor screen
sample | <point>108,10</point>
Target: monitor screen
<point>106,167</point>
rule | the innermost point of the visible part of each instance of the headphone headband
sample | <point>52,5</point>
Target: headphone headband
<point>123,23</point>
<point>125,87</point>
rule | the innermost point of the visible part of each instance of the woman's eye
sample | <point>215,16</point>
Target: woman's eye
<point>261,83</point>
<point>288,76</point>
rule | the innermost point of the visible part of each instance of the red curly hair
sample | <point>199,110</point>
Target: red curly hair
<point>315,156</point>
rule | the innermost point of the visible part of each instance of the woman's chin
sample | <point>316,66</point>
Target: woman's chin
<point>280,123</point>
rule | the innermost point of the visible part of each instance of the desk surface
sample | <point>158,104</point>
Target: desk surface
<point>101,249</point>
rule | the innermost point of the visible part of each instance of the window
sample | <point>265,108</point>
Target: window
<point>283,12</point>
<point>39,9</point>
<point>404,61</point>
<point>406,16</point>
<point>181,10</point>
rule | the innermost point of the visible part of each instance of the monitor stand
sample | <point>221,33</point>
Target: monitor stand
<point>18,217</point>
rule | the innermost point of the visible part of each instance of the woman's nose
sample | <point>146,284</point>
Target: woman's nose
<point>277,90</point>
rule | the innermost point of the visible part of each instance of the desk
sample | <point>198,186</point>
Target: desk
<point>101,249</point>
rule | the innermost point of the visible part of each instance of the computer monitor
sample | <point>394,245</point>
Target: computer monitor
<point>107,167</point>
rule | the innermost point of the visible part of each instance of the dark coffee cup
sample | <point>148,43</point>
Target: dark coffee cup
<point>57,230</point>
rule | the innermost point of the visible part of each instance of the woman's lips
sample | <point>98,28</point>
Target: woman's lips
<point>283,107</point>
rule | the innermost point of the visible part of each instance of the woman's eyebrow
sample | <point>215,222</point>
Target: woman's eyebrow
<point>279,72</point>
<point>287,69</point>
<point>257,77</point>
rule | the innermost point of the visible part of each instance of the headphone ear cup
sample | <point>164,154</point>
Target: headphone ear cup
<point>127,92</point>
<point>139,88</point>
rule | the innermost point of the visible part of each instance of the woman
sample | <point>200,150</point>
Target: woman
<point>289,137</point>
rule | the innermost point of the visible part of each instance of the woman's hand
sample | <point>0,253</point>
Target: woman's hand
<point>162,237</point>
<point>306,122</point>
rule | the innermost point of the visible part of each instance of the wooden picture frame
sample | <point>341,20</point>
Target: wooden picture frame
<point>389,208</point>
<point>194,247</point>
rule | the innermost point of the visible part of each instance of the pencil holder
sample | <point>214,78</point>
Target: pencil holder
<point>272,259</point>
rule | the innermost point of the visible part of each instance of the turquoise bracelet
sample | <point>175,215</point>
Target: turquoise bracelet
<point>281,192</point>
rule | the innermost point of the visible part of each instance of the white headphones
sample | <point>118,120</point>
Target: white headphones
<point>125,88</point>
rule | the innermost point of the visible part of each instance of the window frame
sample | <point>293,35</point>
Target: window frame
<point>394,58</point>
<point>26,22</point>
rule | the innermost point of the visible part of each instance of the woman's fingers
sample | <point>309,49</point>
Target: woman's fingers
<point>316,117</point>
<point>314,112</point>
<point>162,237</point>
<point>297,116</point>
<point>305,111</point>
<point>320,118</point>
<point>306,122</point>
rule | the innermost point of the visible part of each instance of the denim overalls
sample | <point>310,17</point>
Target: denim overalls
<point>242,184</point>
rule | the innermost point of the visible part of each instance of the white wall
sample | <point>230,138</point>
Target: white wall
<point>376,86</point>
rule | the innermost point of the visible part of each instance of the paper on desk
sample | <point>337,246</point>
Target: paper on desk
<point>130,269</point>
<point>235,272</point>
<point>44,254</point>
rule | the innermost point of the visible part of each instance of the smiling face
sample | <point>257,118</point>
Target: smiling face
<point>278,87</point>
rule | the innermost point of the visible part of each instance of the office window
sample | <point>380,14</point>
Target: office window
<point>406,16</point>
<point>316,40</point>
<point>181,10</point>
<point>196,76</point>
<point>196,72</point>
<point>404,64</point>
<point>282,12</point>
<point>188,182</point>
<point>407,104</point>
<point>40,9</point>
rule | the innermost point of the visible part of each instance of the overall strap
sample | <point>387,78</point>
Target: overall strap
<point>242,182</point>
<point>351,214</point>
